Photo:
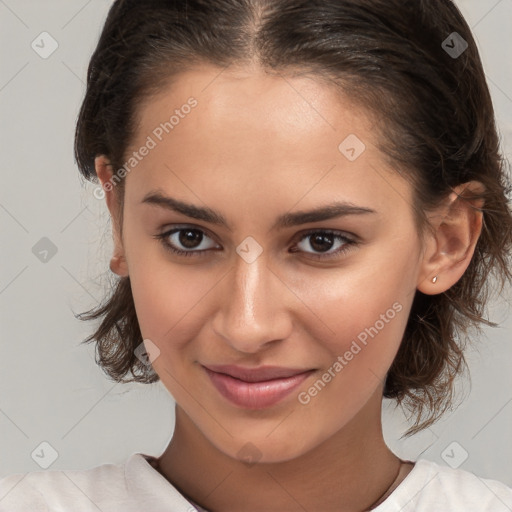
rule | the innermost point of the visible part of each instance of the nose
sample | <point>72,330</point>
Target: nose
<point>253,307</point>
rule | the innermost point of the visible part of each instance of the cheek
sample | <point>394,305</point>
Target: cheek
<point>167,300</point>
<point>354,359</point>
<point>363,312</point>
<point>165,295</point>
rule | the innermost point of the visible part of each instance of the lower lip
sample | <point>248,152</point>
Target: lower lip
<point>255,395</point>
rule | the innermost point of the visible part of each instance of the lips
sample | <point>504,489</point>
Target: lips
<point>255,388</point>
<point>261,374</point>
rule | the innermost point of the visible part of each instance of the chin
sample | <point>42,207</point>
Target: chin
<point>265,450</point>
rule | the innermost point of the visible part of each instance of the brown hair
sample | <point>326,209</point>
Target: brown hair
<point>433,112</point>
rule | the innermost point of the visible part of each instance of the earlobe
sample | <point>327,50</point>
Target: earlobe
<point>451,246</point>
<point>118,264</point>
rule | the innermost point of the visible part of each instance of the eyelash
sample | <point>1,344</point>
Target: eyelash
<point>348,243</point>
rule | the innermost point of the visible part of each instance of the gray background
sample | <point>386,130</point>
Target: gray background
<point>51,389</point>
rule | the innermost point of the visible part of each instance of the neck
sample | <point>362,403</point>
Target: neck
<point>352,470</point>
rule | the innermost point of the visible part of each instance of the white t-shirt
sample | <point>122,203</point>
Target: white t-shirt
<point>136,486</point>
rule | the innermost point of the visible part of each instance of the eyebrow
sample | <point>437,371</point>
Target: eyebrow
<point>329,211</point>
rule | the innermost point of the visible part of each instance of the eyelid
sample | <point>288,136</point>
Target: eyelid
<point>298,236</point>
<point>179,227</point>
<point>337,232</point>
<point>350,240</point>
<point>176,228</point>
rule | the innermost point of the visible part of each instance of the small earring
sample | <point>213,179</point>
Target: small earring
<point>434,279</point>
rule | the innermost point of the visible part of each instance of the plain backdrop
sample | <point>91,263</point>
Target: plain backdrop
<point>52,391</point>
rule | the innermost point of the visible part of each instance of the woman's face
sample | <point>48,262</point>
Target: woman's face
<point>269,287</point>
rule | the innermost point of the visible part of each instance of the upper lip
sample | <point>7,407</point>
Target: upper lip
<point>256,374</point>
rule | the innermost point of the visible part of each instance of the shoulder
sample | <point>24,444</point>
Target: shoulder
<point>430,486</point>
<point>132,486</point>
<point>42,491</point>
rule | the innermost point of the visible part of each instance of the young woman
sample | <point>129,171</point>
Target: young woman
<point>308,203</point>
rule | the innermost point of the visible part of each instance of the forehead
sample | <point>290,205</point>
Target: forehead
<point>251,100</point>
<point>256,134</point>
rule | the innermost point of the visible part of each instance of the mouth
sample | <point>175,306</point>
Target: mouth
<point>255,388</point>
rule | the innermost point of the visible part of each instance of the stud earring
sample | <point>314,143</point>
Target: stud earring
<point>434,279</point>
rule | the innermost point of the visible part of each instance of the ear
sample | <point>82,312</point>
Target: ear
<point>457,225</point>
<point>104,171</point>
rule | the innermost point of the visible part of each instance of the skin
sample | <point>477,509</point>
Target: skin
<point>256,147</point>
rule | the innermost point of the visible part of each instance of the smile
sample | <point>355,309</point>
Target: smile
<point>252,393</point>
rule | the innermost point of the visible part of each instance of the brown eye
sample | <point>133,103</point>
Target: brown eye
<point>322,241</point>
<point>185,241</point>
<point>190,237</point>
